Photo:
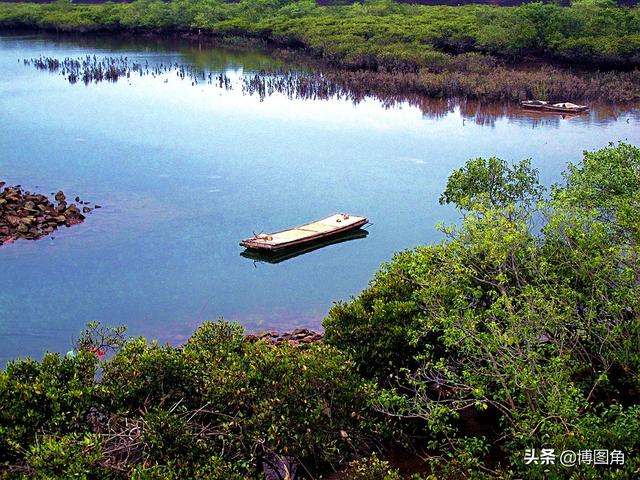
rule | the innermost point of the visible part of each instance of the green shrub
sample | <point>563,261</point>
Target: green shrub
<point>277,401</point>
<point>218,407</point>
<point>70,456</point>
<point>214,468</point>
<point>52,395</point>
<point>371,468</point>
<point>145,374</point>
<point>522,334</point>
<point>167,436</point>
<point>377,328</point>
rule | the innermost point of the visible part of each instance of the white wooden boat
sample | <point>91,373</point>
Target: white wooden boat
<point>309,232</point>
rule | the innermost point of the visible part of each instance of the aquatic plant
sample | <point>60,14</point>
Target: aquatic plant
<point>97,69</point>
<point>500,84</point>
<point>384,37</point>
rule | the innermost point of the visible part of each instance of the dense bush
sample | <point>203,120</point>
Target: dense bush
<point>521,330</point>
<point>371,468</point>
<point>53,395</point>
<point>377,33</point>
<point>219,406</point>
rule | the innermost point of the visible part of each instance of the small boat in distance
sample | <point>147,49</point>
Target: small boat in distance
<point>309,232</point>
<point>533,104</point>
<point>566,107</point>
<point>563,107</point>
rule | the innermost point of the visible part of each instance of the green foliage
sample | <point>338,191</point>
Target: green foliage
<point>143,374</point>
<point>215,468</point>
<point>374,34</point>
<point>492,183</point>
<point>52,395</point>
<point>376,328</point>
<point>282,400</point>
<point>528,335</point>
<point>167,436</point>
<point>218,407</point>
<point>372,468</point>
<point>70,456</point>
<point>608,181</point>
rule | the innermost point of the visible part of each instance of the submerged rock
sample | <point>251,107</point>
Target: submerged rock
<point>31,216</point>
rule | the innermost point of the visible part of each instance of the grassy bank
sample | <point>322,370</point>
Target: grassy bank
<point>520,331</point>
<point>474,50</point>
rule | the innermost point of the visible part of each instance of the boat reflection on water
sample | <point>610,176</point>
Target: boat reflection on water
<point>289,253</point>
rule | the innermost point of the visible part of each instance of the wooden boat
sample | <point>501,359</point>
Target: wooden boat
<point>533,104</point>
<point>566,107</point>
<point>309,232</point>
<point>563,107</point>
<point>278,256</point>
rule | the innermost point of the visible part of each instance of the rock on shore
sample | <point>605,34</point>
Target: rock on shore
<point>298,337</point>
<point>31,216</point>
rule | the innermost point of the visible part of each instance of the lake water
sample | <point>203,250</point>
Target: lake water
<point>185,171</point>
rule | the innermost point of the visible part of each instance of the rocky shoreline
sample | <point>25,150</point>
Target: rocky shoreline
<point>298,338</point>
<point>31,216</point>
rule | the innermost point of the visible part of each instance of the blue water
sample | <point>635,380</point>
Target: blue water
<point>184,172</point>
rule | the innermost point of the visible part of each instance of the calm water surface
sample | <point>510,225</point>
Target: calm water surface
<point>185,171</point>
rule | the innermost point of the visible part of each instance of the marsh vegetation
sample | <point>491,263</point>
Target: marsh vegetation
<point>473,50</point>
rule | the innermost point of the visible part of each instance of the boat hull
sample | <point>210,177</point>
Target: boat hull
<point>304,234</point>
<point>551,108</point>
<point>532,106</point>
<point>542,106</point>
<point>282,255</point>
